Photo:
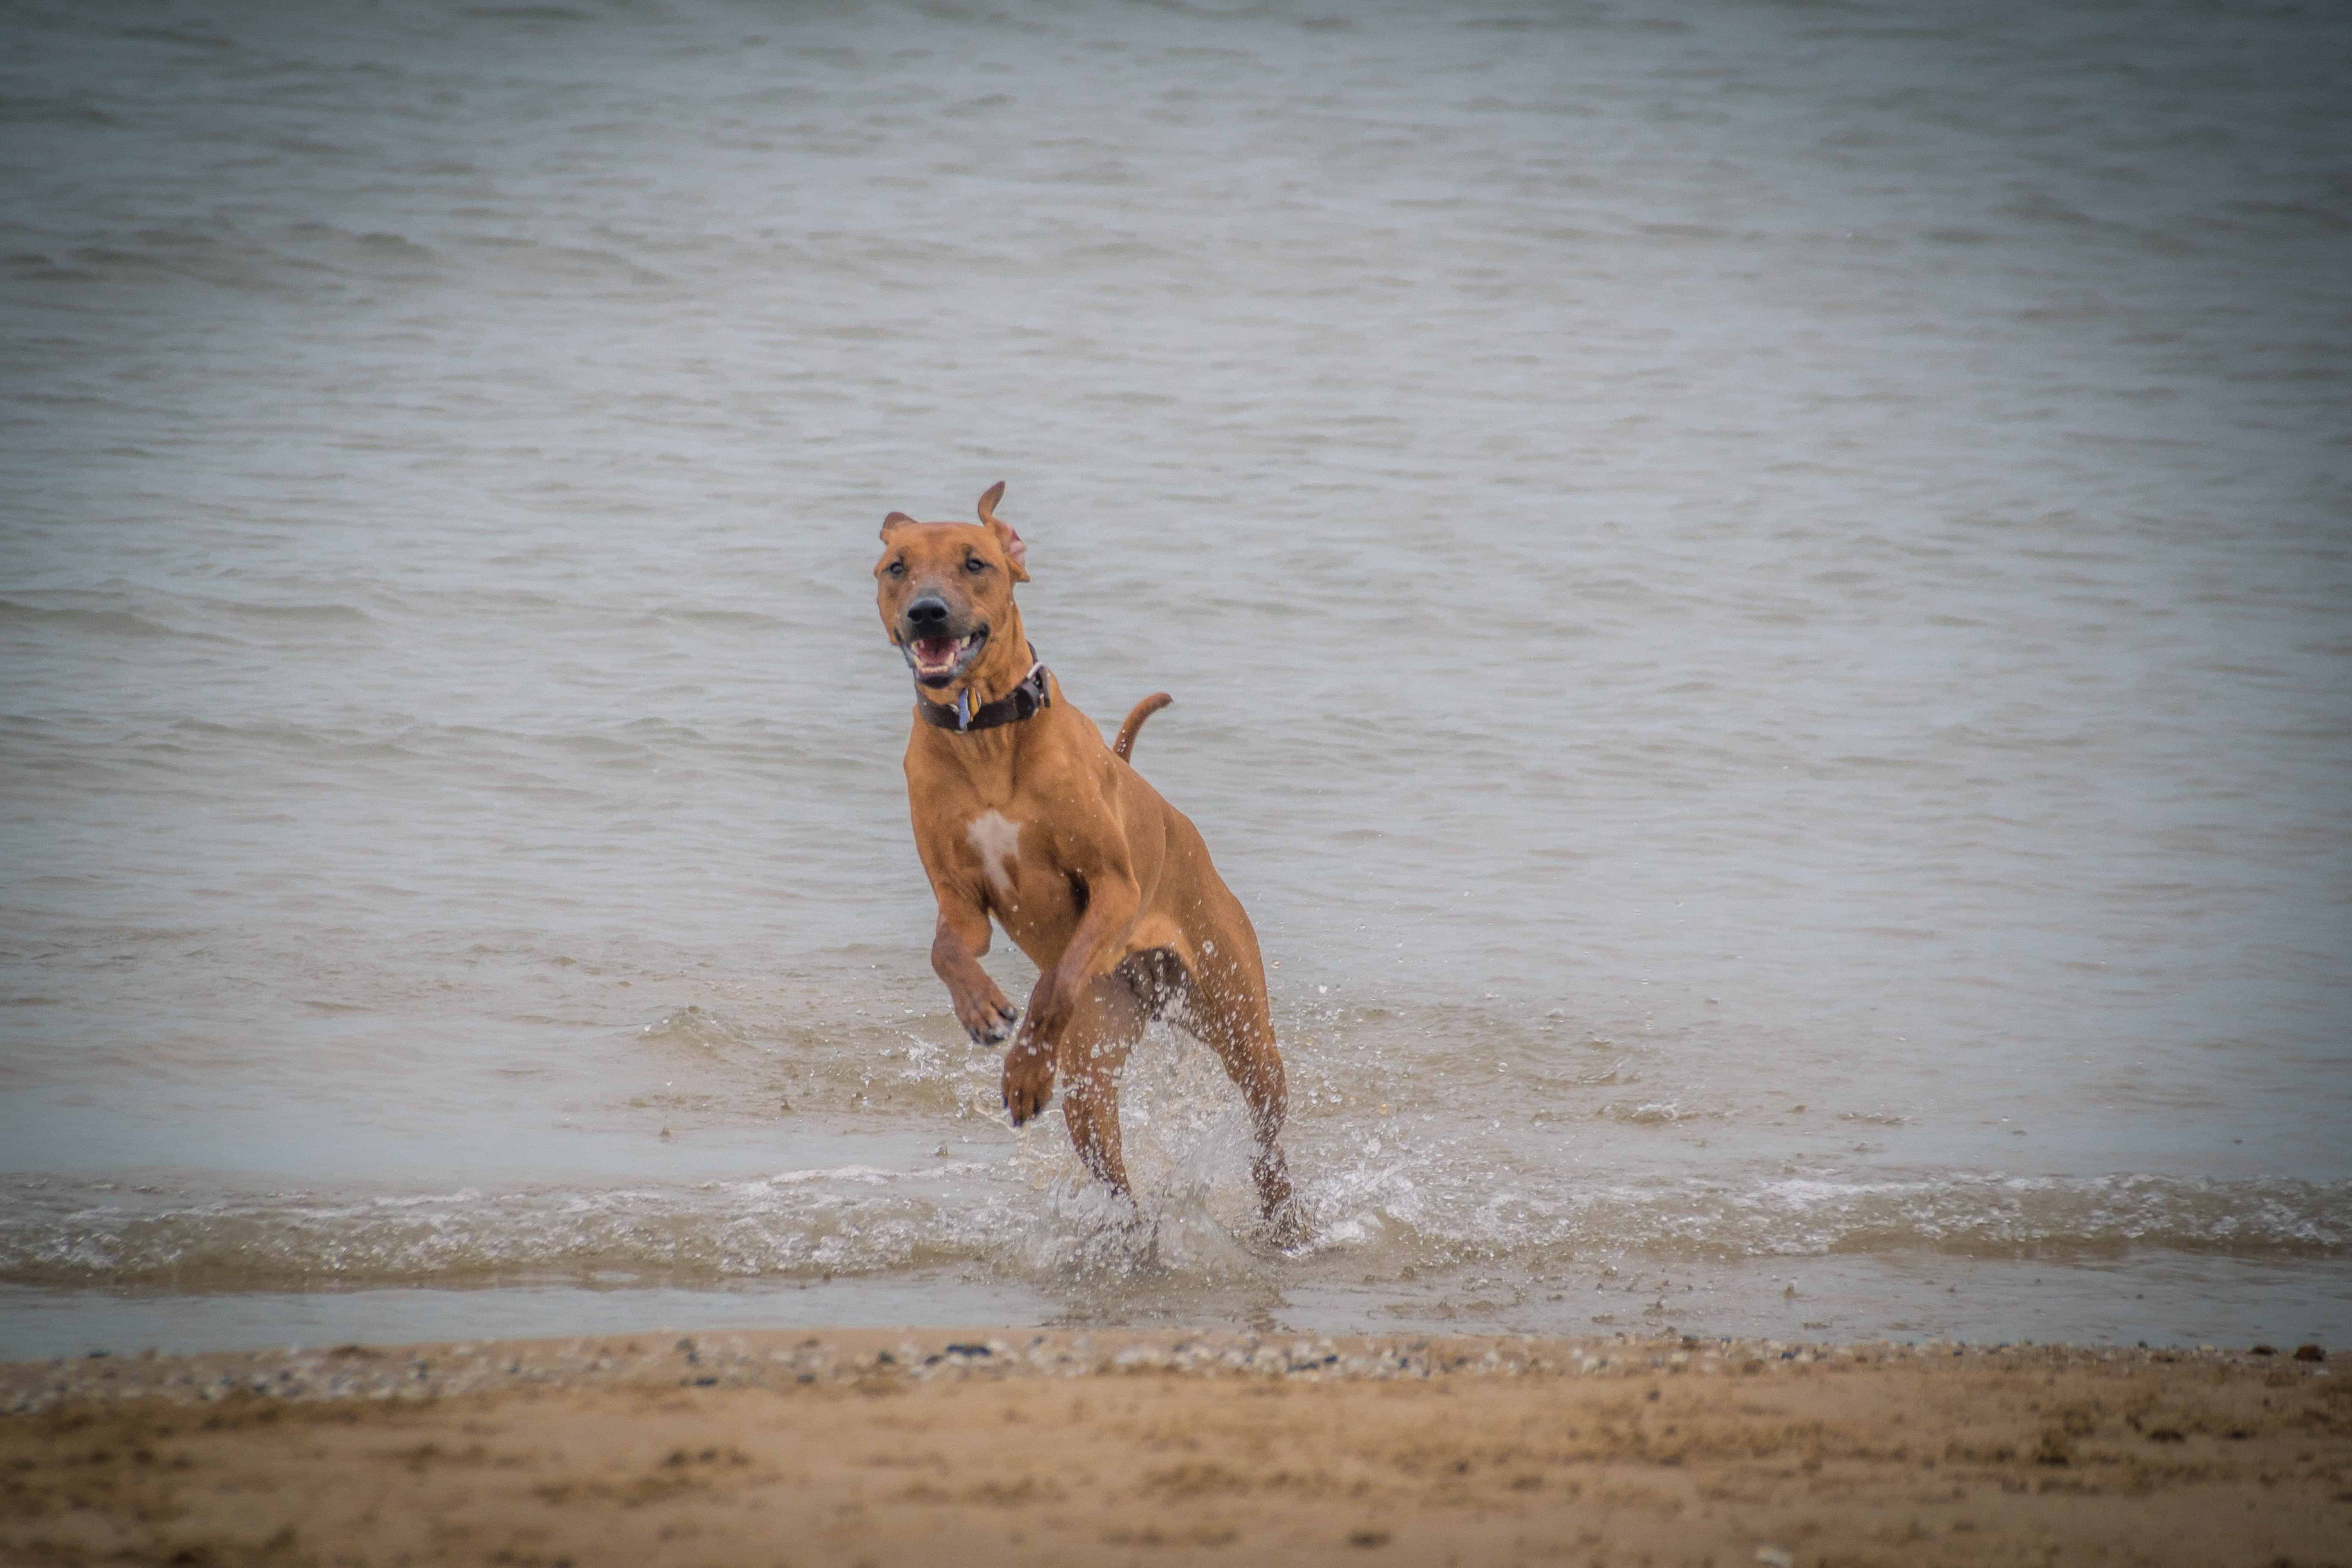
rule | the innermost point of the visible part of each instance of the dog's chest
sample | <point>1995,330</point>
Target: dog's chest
<point>996,839</point>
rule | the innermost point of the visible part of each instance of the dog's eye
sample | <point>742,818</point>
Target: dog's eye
<point>973,563</point>
<point>896,569</point>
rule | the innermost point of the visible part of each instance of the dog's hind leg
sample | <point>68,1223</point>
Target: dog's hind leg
<point>1259,1074</point>
<point>1237,1027</point>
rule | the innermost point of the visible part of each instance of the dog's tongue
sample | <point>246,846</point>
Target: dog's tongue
<point>935,650</point>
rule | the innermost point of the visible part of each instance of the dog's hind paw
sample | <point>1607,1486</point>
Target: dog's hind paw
<point>1287,1227</point>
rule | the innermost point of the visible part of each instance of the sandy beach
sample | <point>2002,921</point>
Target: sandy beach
<point>1087,1447</point>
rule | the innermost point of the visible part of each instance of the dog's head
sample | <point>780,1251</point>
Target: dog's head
<point>945,591</point>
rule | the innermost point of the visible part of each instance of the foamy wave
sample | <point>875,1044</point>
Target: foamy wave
<point>1987,1215</point>
<point>867,1173</point>
<point>803,1224</point>
<point>1034,1220</point>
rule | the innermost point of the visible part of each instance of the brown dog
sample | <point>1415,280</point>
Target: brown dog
<point>1022,813</point>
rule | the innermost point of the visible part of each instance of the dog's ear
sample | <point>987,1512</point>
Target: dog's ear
<point>1014,550</point>
<point>895,519</point>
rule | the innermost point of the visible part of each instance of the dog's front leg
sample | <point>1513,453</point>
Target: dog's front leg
<point>962,938</point>
<point>1112,902</point>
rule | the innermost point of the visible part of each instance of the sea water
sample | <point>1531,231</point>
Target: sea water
<point>1757,596</point>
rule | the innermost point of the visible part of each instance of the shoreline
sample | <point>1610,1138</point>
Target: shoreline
<point>1068,1446</point>
<point>764,1358</point>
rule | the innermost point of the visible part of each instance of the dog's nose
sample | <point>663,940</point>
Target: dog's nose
<point>927,616</point>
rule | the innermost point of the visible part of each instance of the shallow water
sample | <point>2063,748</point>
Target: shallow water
<point>1756,596</point>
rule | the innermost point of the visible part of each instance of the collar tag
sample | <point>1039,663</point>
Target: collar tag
<point>1026,700</point>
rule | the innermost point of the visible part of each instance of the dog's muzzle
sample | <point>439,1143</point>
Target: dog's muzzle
<point>936,650</point>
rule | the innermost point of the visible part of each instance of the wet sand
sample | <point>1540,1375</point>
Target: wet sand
<point>1004,1447</point>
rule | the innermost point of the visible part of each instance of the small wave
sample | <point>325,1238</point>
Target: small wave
<point>529,14</point>
<point>326,614</point>
<point>1649,1114</point>
<point>1425,1209</point>
<point>720,619</point>
<point>196,35</point>
<point>92,622</point>
<point>692,1026</point>
<point>737,1230</point>
<point>290,263</point>
<point>297,739</point>
<point>1032,1218</point>
<point>19,109</point>
<point>101,616</point>
<point>870,1175</point>
<point>538,261</point>
<point>376,253</point>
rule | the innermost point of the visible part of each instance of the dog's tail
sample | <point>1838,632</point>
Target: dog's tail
<point>1142,710</point>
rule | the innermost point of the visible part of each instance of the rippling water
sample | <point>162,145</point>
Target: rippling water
<point>1757,596</point>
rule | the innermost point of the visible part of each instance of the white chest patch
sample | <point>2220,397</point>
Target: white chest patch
<point>999,843</point>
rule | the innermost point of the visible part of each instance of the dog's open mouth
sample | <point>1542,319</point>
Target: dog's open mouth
<point>938,661</point>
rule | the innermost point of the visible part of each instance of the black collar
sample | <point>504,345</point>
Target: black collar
<point>1023,702</point>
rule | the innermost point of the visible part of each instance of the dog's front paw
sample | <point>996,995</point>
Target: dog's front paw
<point>990,1021</point>
<point>1028,1081</point>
